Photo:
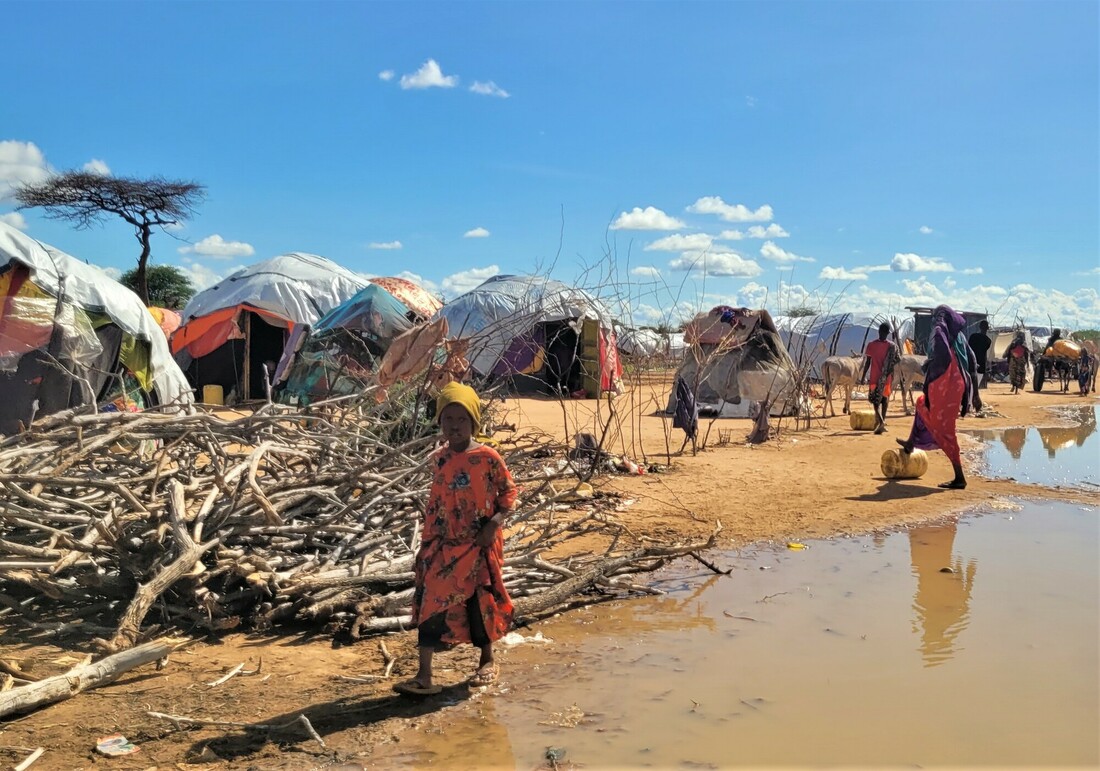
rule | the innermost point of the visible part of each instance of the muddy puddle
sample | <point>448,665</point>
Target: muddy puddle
<point>1067,456</point>
<point>962,643</point>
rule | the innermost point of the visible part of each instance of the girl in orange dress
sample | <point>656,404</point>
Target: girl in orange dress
<point>460,595</point>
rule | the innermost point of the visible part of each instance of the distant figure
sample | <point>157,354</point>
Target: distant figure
<point>947,385</point>
<point>1018,356</point>
<point>979,344</point>
<point>1084,371</point>
<point>880,358</point>
<point>1055,336</point>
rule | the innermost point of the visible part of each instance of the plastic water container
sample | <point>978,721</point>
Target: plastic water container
<point>213,394</point>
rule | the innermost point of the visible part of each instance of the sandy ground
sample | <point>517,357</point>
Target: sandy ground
<point>802,484</point>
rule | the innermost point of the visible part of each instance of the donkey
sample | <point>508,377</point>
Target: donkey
<point>842,371</point>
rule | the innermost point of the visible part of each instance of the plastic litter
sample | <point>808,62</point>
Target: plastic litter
<point>115,745</point>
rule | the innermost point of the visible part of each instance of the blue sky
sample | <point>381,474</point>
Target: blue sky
<point>862,155</point>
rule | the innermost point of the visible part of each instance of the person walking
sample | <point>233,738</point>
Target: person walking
<point>1018,356</point>
<point>948,383</point>
<point>880,358</point>
<point>979,344</point>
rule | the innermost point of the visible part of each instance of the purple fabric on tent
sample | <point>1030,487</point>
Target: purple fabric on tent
<point>521,352</point>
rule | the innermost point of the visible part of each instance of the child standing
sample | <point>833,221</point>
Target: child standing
<point>460,595</point>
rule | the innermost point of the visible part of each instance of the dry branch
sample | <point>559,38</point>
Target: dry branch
<point>281,517</point>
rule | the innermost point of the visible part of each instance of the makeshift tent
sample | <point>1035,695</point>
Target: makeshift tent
<point>416,298</point>
<point>337,355</point>
<point>70,335</point>
<point>539,334</point>
<point>922,325</point>
<point>735,361</point>
<point>812,339</point>
<point>234,328</point>
<point>641,342</point>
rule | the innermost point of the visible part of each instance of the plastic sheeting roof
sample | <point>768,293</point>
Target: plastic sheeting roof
<point>812,339</point>
<point>504,307</point>
<point>94,291</point>
<point>296,286</point>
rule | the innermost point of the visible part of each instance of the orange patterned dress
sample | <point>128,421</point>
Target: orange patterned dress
<point>460,586</point>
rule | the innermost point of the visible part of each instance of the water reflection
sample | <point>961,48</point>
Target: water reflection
<point>1014,440</point>
<point>944,584</point>
<point>1054,459</point>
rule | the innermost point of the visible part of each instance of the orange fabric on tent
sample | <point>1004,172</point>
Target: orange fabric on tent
<point>205,334</point>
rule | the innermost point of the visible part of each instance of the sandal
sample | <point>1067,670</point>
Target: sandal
<point>416,688</point>
<point>487,675</point>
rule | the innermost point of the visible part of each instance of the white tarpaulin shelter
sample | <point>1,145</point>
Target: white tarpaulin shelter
<point>232,329</point>
<point>86,292</point>
<point>531,325</point>
<point>296,286</point>
<point>812,339</point>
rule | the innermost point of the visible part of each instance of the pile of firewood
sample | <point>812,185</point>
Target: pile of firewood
<point>123,524</point>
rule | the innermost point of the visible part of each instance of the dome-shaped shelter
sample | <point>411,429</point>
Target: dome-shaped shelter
<point>70,335</point>
<point>233,329</point>
<point>538,333</point>
<point>338,354</point>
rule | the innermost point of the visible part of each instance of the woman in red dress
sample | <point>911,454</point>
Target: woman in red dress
<point>949,385</point>
<point>460,595</point>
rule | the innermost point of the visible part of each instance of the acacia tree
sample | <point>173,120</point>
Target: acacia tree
<point>85,198</point>
<point>169,287</point>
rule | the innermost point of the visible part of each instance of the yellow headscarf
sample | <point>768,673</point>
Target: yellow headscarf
<point>457,393</point>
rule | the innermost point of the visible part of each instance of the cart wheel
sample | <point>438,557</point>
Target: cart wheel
<point>1039,376</point>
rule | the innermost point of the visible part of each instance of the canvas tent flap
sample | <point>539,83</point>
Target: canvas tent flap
<point>505,307</point>
<point>94,292</point>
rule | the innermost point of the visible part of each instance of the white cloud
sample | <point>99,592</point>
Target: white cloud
<point>972,271</point>
<point>649,218</point>
<point>429,76</point>
<point>96,166</point>
<point>674,314</point>
<point>949,283</point>
<point>15,219</point>
<point>489,88</point>
<point>201,276</point>
<point>750,102</point>
<point>842,274</point>
<point>464,281</point>
<point>218,247</point>
<point>1094,272</point>
<point>476,233</point>
<point>926,230</point>
<point>384,245</point>
<point>386,75</point>
<point>771,231</point>
<point>770,251</point>
<point>20,163</point>
<point>646,271</point>
<point>914,263</point>
<point>681,243</point>
<point>712,204</point>
<point>717,264</point>
<point>730,235</point>
<point>787,296</point>
<point>113,272</point>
